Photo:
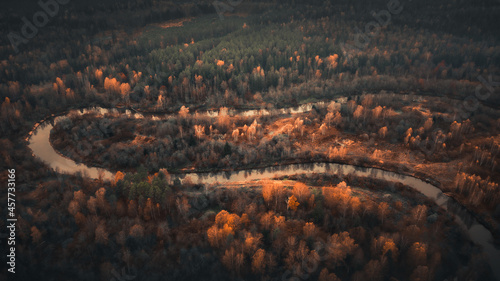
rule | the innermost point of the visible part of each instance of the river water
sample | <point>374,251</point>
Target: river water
<point>39,143</point>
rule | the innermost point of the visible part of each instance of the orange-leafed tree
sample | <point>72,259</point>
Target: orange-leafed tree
<point>383,210</point>
<point>252,242</point>
<point>273,193</point>
<point>214,236</point>
<point>137,231</point>
<point>258,261</point>
<point>309,230</point>
<point>118,176</point>
<point>292,203</point>
<point>339,246</point>
<point>417,255</point>
<point>326,276</point>
<point>301,192</point>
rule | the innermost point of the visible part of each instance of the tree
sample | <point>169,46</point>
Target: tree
<point>73,207</point>
<point>382,132</point>
<point>137,231</point>
<point>235,134</point>
<point>101,236</point>
<point>119,176</point>
<point>419,214</point>
<point>323,129</point>
<point>299,125</point>
<point>383,209</point>
<point>339,246</point>
<point>184,111</point>
<point>92,205</point>
<point>226,218</point>
<point>112,85</point>
<point>332,61</point>
<point>258,261</point>
<point>373,270</point>
<point>214,236</point>
<point>334,107</point>
<point>79,197</point>
<point>292,203</point>
<point>309,230</point>
<point>421,273</point>
<point>428,124</point>
<point>223,119</point>
<point>252,130</point>
<point>125,90</point>
<point>36,235</point>
<point>100,198</point>
<point>233,260</point>
<point>273,193</point>
<point>301,192</point>
<point>326,276</point>
<point>199,131</point>
<point>252,242</point>
<point>358,112</point>
<point>183,206</point>
<point>376,112</point>
<point>267,220</point>
<point>417,254</point>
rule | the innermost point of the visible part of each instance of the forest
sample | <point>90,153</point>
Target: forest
<point>161,95</point>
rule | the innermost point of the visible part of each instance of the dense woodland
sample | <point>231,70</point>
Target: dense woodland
<point>421,99</point>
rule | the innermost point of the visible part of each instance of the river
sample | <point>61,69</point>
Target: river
<point>39,142</point>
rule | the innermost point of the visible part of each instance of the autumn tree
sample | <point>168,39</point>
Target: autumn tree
<point>417,254</point>
<point>326,276</point>
<point>199,131</point>
<point>184,111</point>
<point>258,261</point>
<point>223,119</point>
<point>383,209</point>
<point>235,134</point>
<point>373,270</point>
<point>309,230</point>
<point>183,206</point>
<point>339,246</point>
<point>299,126</point>
<point>419,214</point>
<point>382,132</point>
<point>118,176</point>
<point>252,242</point>
<point>233,260</point>
<point>101,235</point>
<point>273,193</point>
<point>137,231</point>
<point>421,273</point>
<point>301,192</point>
<point>73,207</point>
<point>292,203</point>
<point>383,246</point>
<point>376,112</point>
<point>36,235</point>
<point>358,113</point>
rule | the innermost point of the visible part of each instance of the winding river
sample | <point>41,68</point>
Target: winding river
<point>39,143</point>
